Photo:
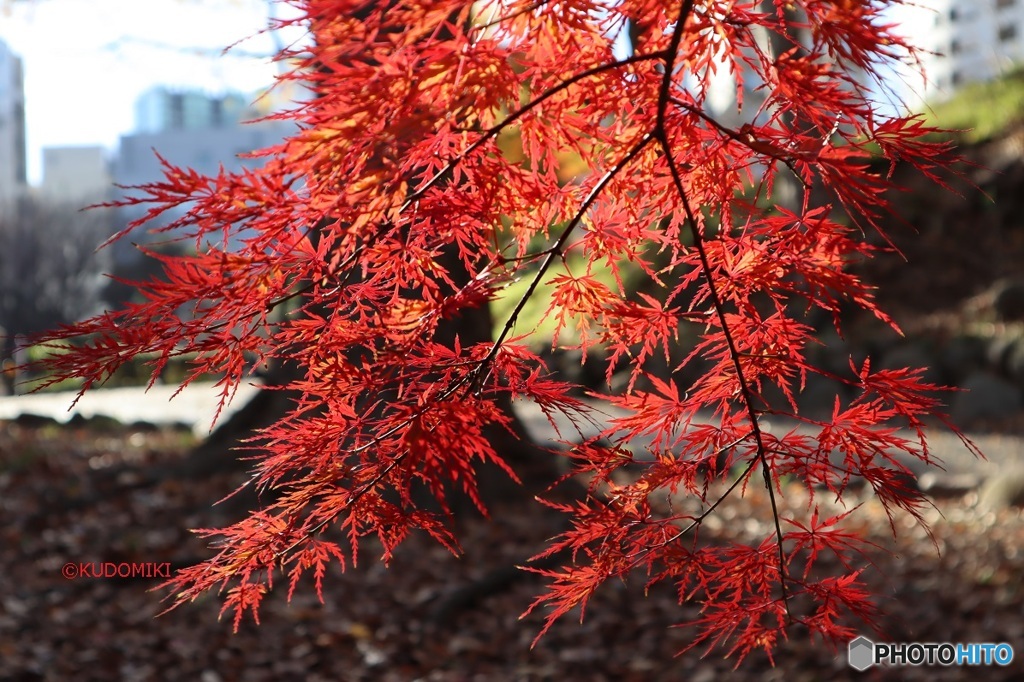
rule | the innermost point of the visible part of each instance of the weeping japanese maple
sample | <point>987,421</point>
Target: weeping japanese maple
<point>428,175</point>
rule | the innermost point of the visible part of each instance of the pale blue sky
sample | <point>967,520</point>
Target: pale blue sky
<point>87,62</point>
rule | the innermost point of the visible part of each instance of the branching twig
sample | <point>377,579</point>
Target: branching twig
<point>716,299</point>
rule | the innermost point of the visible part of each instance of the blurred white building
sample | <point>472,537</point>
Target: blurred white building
<point>190,129</point>
<point>76,175</point>
<point>193,130</point>
<point>963,41</point>
<point>13,170</point>
<point>204,150</point>
<point>161,108</point>
<point>722,91</point>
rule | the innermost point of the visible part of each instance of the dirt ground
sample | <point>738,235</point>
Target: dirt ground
<point>375,624</point>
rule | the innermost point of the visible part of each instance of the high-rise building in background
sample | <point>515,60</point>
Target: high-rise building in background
<point>204,150</point>
<point>160,109</point>
<point>76,175</point>
<point>190,129</point>
<point>963,41</point>
<point>13,168</point>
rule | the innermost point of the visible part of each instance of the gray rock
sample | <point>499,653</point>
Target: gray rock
<point>1003,490</point>
<point>998,351</point>
<point>960,357</point>
<point>99,423</point>
<point>941,484</point>
<point>1015,361</point>
<point>34,421</point>
<point>833,353</point>
<point>985,396</point>
<point>1009,300</point>
<point>567,364</point>
<point>819,396</point>
<point>913,356</point>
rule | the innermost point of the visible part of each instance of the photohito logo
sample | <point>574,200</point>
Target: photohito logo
<point>863,653</point>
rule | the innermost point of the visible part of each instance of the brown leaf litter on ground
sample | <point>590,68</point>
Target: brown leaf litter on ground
<point>375,622</point>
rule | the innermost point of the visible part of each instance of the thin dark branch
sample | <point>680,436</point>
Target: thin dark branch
<point>664,98</point>
<point>556,250</point>
<point>665,91</point>
<point>748,399</point>
<point>744,139</point>
<point>519,13</point>
<point>519,113</point>
<point>696,521</point>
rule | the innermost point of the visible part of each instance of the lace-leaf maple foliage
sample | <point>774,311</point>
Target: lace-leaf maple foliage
<point>443,127</point>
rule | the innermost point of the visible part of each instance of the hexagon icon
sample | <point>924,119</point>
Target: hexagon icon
<point>861,654</point>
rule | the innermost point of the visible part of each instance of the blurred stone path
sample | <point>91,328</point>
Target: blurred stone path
<point>196,404</point>
<point>1003,452</point>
